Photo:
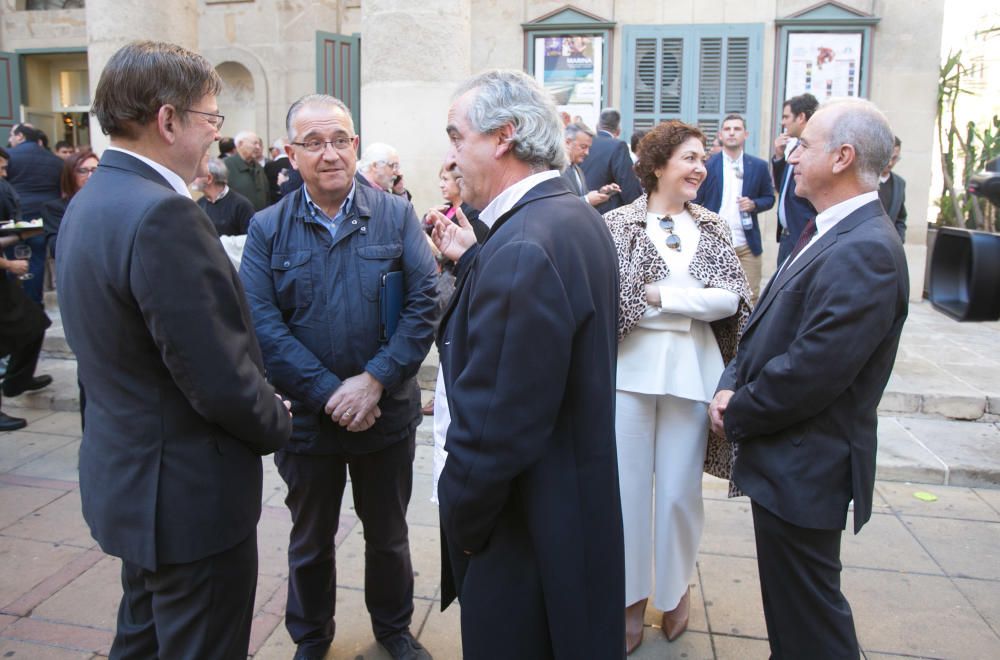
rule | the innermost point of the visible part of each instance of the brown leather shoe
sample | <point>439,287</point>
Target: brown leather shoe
<point>634,616</point>
<point>428,408</point>
<point>675,621</point>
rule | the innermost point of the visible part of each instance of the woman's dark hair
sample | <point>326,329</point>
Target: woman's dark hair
<point>657,146</point>
<point>67,180</point>
<point>142,77</point>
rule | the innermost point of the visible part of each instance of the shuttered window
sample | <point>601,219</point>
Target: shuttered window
<point>696,73</point>
<point>338,70</point>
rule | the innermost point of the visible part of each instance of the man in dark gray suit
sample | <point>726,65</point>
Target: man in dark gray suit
<point>178,410</point>
<point>521,533</point>
<point>579,139</point>
<point>609,161</point>
<point>800,398</point>
<point>892,192</point>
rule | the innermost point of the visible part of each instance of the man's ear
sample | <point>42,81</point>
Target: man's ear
<point>844,158</point>
<point>505,134</point>
<point>167,119</point>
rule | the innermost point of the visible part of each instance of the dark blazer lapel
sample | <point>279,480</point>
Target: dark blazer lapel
<point>122,161</point>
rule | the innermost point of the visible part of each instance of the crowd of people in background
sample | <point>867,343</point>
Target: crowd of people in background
<point>603,335</point>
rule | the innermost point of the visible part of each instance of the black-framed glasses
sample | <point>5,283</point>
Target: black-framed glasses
<point>673,240</point>
<point>86,170</point>
<point>216,120</point>
<point>315,145</point>
<point>738,171</point>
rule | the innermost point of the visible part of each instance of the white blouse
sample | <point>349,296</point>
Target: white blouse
<point>673,350</point>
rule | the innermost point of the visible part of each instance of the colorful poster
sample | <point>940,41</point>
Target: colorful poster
<point>825,64</point>
<point>570,68</point>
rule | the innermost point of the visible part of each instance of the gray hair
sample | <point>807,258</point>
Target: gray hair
<point>315,99</point>
<point>279,144</point>
<point>217,168</point>
<point>375,152</point>
<point>862,125</point>
<point>243,136</point>
<point>574,129</point>
<point>512,97</point>
<point>609,119</point>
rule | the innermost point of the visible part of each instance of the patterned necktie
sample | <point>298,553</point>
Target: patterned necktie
<point>807,233</point>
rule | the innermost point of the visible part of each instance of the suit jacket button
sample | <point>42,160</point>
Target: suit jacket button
<point>287,264</point>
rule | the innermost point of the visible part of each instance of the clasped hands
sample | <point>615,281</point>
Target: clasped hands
<point>717,411</point>
<point>354,405</point>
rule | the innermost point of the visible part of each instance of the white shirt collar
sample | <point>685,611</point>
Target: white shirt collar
<point>506,200</point>
<point>738,159</point>
<point>829,218</point>
<point>174,179</point>
<point>883,179</point>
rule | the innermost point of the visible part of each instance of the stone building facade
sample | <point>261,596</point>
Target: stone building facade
<point>412,54</point>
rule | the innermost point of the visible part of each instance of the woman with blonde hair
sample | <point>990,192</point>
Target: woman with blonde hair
<point>684,298</point>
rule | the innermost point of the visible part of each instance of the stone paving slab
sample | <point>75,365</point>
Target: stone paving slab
<point>971,451</point>
<point>922,577</point>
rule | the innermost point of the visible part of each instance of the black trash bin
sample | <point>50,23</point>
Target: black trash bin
<point>965,274</point>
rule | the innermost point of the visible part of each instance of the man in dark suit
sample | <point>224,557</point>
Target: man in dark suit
<point>794,211</point>
<point>800,399</point>
<point>274,167</point>
<point>178,410</point>
<point>579,139</point>
<point>530,510</point>
<point>738,187</point>
<point>892,192</point>
<point>34,171</point>
<point>609,162</point>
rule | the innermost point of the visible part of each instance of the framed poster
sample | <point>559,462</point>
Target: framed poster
<point>824,64</point>
<point>571,68</point>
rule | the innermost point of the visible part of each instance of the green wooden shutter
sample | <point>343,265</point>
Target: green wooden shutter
<point>338,70</point>
<point>696,73</point>
<point>10,94</point>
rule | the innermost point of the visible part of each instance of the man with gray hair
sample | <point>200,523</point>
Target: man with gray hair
<point>800,397</point>
<point>530,510</point>
<point>228,210</point>
<point>246,176</point>
<point>341,283</point>
<point>579,137</point>
<point>609,162</point>
<point>379,164</point>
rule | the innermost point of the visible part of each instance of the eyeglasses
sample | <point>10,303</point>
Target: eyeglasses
<point>673,240</point>
<point>86,170</point>
<point>315,145</point>
<point>392,166</point>
<point>738,171</point>
<point>214,119</point>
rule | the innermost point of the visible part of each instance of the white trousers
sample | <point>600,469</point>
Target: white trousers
<point>661,450</point>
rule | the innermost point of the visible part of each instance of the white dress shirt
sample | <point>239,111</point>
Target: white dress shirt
<point>732,190</point>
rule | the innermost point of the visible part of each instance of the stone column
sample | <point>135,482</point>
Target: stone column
<point>113,23</point>
<point>412,57</point>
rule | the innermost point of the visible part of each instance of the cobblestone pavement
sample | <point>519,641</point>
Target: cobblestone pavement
<point>923,577</point>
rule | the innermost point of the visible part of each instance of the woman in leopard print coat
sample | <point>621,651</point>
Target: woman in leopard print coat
<point>684,298</point>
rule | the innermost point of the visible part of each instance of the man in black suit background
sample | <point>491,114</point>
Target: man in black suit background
<point>530,509</point>
<point>609,161</point>
<point>579,139</point>
<point>794,211</point>
<point>892,192</point>
<point>178,410</point>
<point>800,398</point>
<point>34,172</point>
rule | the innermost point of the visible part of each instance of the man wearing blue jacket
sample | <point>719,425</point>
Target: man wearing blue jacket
<point>315,267</point>
<point>738,187</point>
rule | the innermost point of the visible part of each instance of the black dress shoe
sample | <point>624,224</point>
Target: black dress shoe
<point>8,423</point>
<point>36,383</point>
<point>402,646</point>
<point>311,652</point>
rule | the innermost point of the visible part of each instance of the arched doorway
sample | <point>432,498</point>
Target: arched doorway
<point>237,101</point>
